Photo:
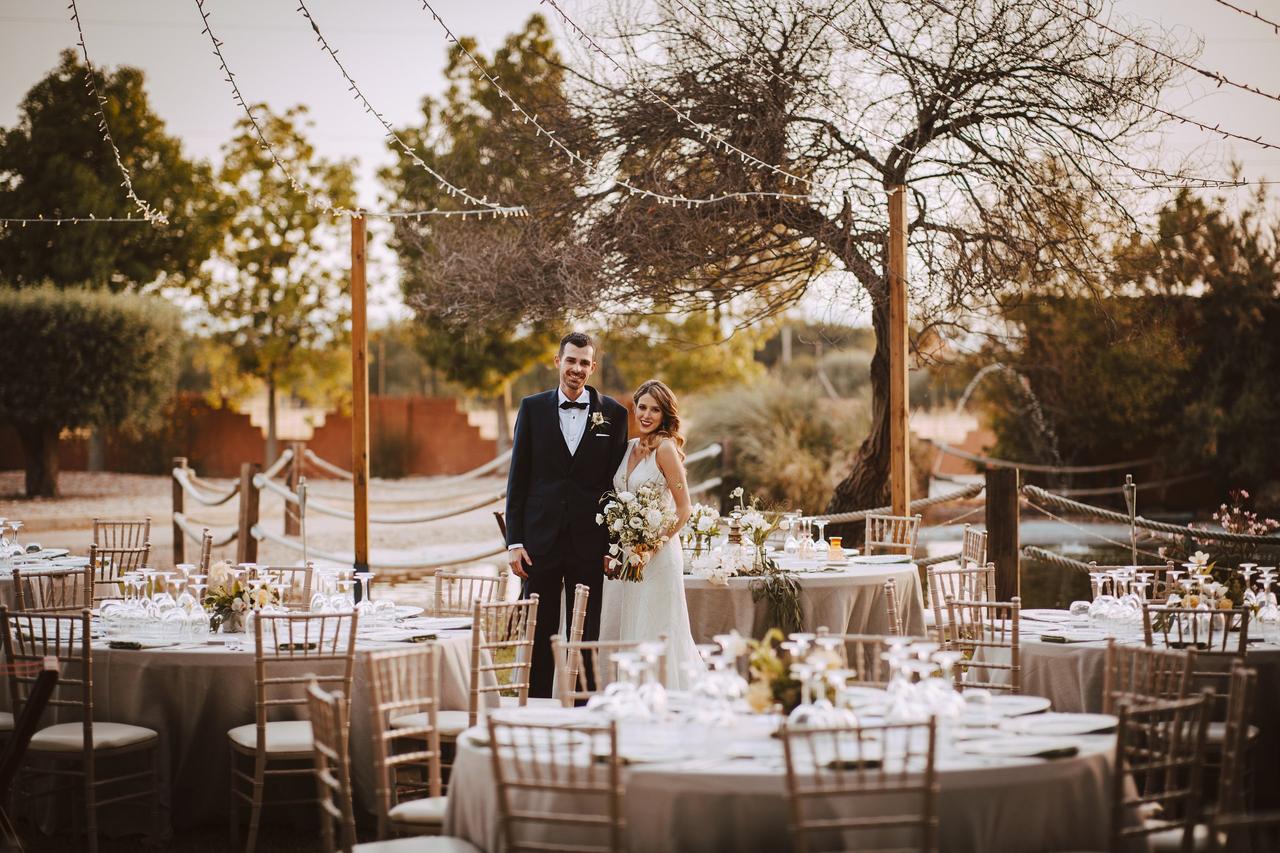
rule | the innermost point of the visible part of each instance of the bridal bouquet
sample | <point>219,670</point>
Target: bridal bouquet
<point>636,521</point>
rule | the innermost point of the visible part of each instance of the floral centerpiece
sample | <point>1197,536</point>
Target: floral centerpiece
<point>229,600</point>
<point>703,526</point>
<point>637,523</point>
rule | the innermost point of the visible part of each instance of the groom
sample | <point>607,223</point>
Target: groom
<point>568,444</point>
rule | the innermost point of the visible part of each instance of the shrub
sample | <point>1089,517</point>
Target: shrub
<point>78,358</point>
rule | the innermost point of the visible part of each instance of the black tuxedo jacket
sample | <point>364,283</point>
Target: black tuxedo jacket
<point>549,489</point>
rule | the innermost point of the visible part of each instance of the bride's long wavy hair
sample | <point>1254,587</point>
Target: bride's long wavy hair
<point>670,426</point>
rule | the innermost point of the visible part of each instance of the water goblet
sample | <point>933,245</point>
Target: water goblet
<point>820,545</point>
<point>15,526</point>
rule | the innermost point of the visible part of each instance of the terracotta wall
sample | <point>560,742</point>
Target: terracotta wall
<point>409,435</point>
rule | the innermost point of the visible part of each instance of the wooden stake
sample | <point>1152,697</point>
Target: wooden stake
<point>291,525</point>
<point>246,545</point>
<point>899,400</point>
<point>1003,547</point>
<point>359,394</point>
<point>179,537</point>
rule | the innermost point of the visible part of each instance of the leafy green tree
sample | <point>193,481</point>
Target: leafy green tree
<point>690,352</point>
<point>76,358</point>
<point>274,293</point>
<point>54,162</point>
<point>470,136</point>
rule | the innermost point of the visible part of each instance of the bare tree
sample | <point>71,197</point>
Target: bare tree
<point>1001,117</point>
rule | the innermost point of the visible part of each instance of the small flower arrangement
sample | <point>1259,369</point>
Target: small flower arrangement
<point>598,420</point>
<point>228,600</point>
<point>638,523</point>
<point>703,526</point>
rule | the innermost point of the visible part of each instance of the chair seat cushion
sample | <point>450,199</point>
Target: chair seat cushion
<point>69,737</point>
<point>418,844</point>
<point>283,736</point>
<point>428,811</point>
<point>6,721</point>
<point>1170,840</point>
<point>450,723</point>
<point>1218,731</point>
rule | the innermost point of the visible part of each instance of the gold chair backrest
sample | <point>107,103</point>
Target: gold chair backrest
<point>892,534</point>
<point>405,682</point>
<point>978,626</point>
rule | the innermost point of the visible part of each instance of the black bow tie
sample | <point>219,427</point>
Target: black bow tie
<point>569,404</point>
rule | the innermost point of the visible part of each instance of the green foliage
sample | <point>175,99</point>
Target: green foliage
<point>1184,362</point>
<point>788,445</point>
<point>470,136</point>
<point>78,358</point>
<point>688,352</point>
<point>274,295</point>
<point>54,161</point>
<point>395,364</point>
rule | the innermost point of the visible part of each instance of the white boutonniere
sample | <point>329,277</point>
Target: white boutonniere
<point>598,420</point>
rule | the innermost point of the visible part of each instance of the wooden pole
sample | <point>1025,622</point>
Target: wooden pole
<point>1003,547</point>
<point>246,545</point>
<point>359,394</point>
<point>899,402</point>
<point>179,537</point>
<point>291,526</point>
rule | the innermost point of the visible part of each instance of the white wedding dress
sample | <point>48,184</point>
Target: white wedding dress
<point>655,606</point>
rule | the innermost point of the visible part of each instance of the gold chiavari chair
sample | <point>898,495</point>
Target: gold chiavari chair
<point>206,552</point>
<point>1140,675</point>
<point>892,614</point>
<point>53,590</point>
<point>330,720</point>
<point>290,649</point>
<point>988,632</point>
<point>864,654</point>
<point>587,666</point>
<point>892,534</point>
<point>407,760</point>
<point>967,583</point>
<point>558,788</point>
<point>457,593</point>
<point>973,548</point>
<point>86,744</point>
<point>577,622</point>
<point>1158,773</point>
<point>1244,832</point>
<point>501,654</point>
<point>118,547</point>
<point>844,783</point>
<point>1234,788</point>
<point>295,582</point>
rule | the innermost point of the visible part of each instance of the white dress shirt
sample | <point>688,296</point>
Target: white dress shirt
<point>573,422</point>
<point>573,425</point>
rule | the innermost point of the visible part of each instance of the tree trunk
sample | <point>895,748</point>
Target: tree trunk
<point>40,450</point>
<point>97,449</point>
<point>867,484</point>
<point>501,404</point>
<point>271,422</point>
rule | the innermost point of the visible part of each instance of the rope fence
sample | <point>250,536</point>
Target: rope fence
<point>186,526</point>
<point>186,480</point>
<point>487,551</point>
<point>323,508</point>
<point>993,462</point>
<point>1031,552</point>
<point>922,503</point>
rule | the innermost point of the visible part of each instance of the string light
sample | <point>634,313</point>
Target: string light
<point>149,213</point>
<point>1251,14</point>
<point>554,142</point>
<point>1217,76</point>
<point>66,220</point>
<point>451,189</point>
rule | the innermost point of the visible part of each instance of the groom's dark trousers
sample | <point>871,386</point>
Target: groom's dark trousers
<point>560,570</point>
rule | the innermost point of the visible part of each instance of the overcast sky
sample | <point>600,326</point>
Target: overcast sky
<point>396,53</point>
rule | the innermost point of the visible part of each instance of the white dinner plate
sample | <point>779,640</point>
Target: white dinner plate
<point>1025,747</point>
<point>1047,615</point>
<point>437,623</point>
<point>70,562</point>
<point>879,559</point>
<point>1003,705</point>
<point>407,611</point>
<point>1060,724</point>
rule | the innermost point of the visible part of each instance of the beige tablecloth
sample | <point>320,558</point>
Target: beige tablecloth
<point>1016,806</point>
<point>847,601</point>
<point>194,696</point>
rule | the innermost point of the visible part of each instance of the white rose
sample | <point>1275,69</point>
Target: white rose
<point>599,518</point>
<point>654,518</point>
<point>626,497</point>
<point>237,605</point>
<point>704,524</point>
<point>637,523</point>
<point>617,525</point>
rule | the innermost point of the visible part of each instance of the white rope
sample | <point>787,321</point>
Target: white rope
<point>711,451</point>
<point>183,478</point>
<point>278,465</point>
<point>328,509</point>
<point>706,486</point>
<point>492,465</point>
<point>180,519</point>
<point>348,559</point>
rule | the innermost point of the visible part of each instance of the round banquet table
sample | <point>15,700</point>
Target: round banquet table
<point>1071,676</point>
<point>194,694</point>
<point>711,798</point>
<point>846,600</point>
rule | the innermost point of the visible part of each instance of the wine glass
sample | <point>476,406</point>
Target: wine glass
<point>15,526</point>
<point>820,546</point>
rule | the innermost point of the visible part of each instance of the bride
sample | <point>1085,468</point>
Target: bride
<point>655,606</point>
